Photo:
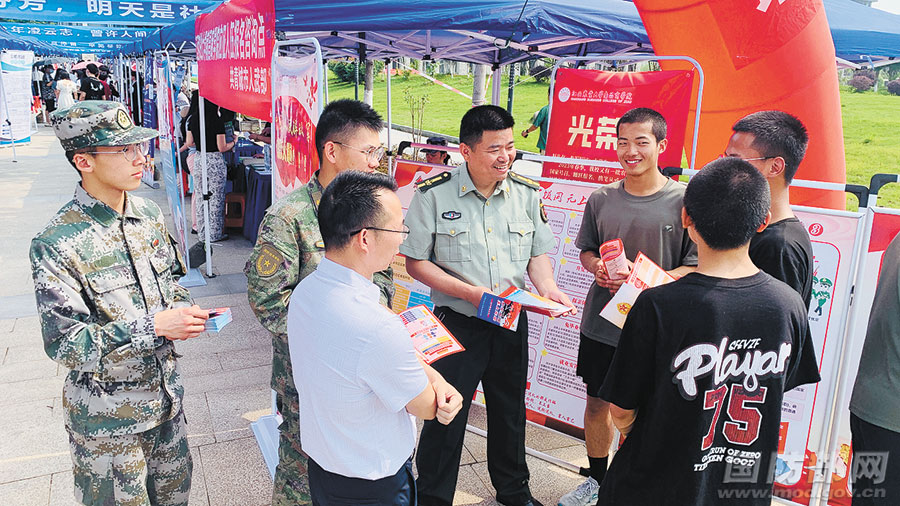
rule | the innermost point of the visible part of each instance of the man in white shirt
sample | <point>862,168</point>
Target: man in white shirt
<point>353,361</point>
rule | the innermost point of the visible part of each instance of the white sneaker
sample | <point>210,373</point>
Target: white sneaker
<point>584,495</point>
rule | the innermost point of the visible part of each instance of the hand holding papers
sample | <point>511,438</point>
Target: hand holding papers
<point>504,309</point>
<point>645,274</point>
<point>431,339</point>
<point>218,318</point>
<point>612,253</point>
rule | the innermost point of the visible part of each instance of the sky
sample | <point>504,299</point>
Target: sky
<point>888,5</point>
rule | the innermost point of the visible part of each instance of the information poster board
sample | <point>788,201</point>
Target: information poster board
<point>15,96</point>
<point>587,104</point>
<point>806,410</point>
<point>168,151</point>
<point>885,225</point>
<point>297,104</point>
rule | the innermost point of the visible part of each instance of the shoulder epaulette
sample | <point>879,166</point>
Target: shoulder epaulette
<point>524,180</point>
<point>431,182</point>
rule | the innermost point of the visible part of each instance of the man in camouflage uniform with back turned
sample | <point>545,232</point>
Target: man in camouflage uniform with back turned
<point>110,307</point>
<point>288,249</point>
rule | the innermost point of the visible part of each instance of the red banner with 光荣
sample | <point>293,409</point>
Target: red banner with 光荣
<point>588,103</point>
<point>234,53</point>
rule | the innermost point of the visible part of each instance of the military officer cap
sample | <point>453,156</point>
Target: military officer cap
<point>97,123</point>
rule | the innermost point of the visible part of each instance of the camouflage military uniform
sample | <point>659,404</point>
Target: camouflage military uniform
<point>288,249</point>
<point>99,278</point>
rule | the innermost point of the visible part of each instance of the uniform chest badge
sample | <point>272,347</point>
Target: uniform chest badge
<point>320,244</point>
<point>268,261</point>
<point>155,242</point>
<point>451,215</point>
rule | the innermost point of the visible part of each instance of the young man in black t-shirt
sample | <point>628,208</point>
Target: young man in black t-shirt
<point>91,87</point>
<point>698,377</point>
<point>775,142</point>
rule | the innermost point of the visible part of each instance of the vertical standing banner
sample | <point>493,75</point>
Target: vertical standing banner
<point>587,104</point>
<point>168,151</point>
<point>297,84</point>
<point>807,410</point>
<point>15,96</point>
<point>234,53</point>
<point>885,225</point>
<point>148,106</point>
<point>745,44</point>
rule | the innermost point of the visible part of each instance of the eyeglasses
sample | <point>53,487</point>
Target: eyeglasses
<point>130,151</point>
<point>405,230</point>
<point>374,154</point>
<point>725,155</point>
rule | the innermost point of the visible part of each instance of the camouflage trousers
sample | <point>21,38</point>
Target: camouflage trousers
<point>291,478</point>
<point>151,467</point>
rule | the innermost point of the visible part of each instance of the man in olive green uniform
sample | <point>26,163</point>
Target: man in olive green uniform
<point>289,248</point>
<point>110,307</point>
<point>474,229</point>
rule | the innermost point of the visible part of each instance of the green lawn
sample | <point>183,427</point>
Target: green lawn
<point>871,121</point>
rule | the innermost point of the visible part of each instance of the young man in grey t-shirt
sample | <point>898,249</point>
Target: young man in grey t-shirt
<point>644,211</point>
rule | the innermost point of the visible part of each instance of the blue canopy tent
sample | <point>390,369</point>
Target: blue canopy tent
<point>9,40</point>
<point>861,32</point>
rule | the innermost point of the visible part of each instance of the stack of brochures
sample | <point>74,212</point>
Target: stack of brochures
<point>431,339</point>
<point>218,318</point>
<point>504,309</point>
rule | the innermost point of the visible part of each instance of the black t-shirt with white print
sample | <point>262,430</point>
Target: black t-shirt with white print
<point>705,362</point>
<point>92,88</point>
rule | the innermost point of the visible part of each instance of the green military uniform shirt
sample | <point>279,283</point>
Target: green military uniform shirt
<point>482,241</point>
<point>289,248</point>
<point>99,278</point>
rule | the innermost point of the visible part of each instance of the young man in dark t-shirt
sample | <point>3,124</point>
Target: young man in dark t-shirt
<point>91,87</point>
<point>644,211</point>
<point>698,377</point>
<point>775,142</point>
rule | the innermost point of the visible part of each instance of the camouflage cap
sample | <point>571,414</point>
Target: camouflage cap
<point>97,123</point>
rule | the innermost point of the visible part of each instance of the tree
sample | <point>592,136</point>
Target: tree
<point>861,83</point>
<point>893,87</point>
<point>540,73</point>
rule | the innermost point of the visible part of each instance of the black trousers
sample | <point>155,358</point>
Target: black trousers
<point>875,470</point>
<point>330,489</point>
<point>499,359</point>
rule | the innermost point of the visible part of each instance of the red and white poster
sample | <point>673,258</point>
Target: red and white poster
<point>298,102</point>
<point>885,226</point>
<point>234,54</point>
<point>806,410</point>
<point>586,106</point>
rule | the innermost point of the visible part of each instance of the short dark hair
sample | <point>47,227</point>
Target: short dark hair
<point>349,204</point>
<point>92,68</point>
<point>483,118</point>
<point>340,120</point>
<point>70,155</point>
<point>777,133</point>
<point>727,201</point>
<point>645,115</point>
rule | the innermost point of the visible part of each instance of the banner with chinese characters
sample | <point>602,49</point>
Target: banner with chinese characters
<point>78,37</point>
<point>885,225</point>
<point>586,104</point>
<point>298,102</point>
<point>234,52</point>
<point>137,12</point>
<point>167,156</point>
<point>15,96</point>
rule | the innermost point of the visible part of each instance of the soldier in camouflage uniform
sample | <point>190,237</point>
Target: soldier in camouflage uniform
<point>104,272</point>
<point>288,249</point>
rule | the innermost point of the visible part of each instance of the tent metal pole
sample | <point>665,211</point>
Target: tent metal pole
<point>496,82</point>
<point>205,193</point>
<point>387,68</point>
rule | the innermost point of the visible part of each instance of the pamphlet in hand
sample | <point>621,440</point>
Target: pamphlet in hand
<point>644,274</point>
<point>612,253</point>
<point>431,340</point>
<point>534,303</point>
<point>218,318</point>
<point>499,311</point>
